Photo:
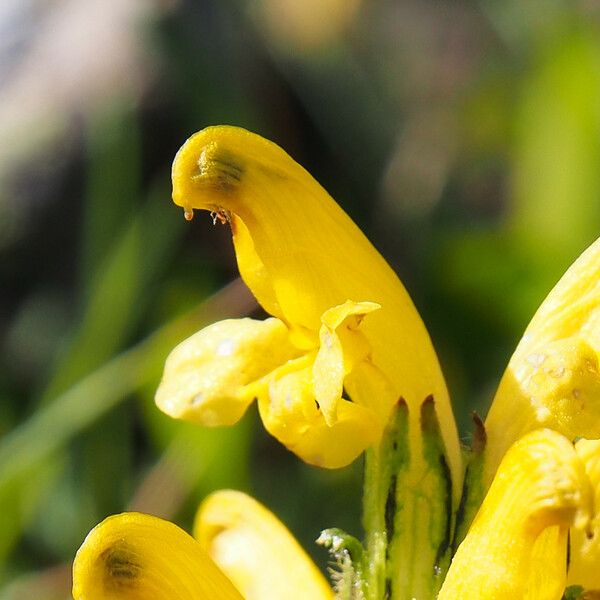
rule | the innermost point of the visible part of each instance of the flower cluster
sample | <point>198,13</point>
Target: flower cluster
<point>344,364</point>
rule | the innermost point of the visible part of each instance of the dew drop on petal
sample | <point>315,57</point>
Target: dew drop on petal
<point>536,360</point>
<point>225,348</point>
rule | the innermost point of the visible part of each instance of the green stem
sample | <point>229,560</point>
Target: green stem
<point>383,464</point>
<point>374,525</point>
<point>407,508</point>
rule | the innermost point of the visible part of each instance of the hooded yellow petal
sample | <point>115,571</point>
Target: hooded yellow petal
<point>133,556</point>
<point>300,254</point>
<point>210,377</point>
<point>256,550</point>
<point>585,545</point>
<point>552,379</point>
<point>290,413</point>
<point>540,484</point>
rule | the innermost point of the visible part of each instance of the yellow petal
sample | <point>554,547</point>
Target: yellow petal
<point>132,556</point>
<point>338,353</point>
<point>209,377</point>
<point>369,387</point>
<point>546,579</point>
<point>290,413</point>
<point>256,551</point>
<point>585,545</point>
<point>540,484</point>
<point>552,379</point>
<point>300,254</point>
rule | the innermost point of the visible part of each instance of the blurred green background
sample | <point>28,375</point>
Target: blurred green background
<point>463,137</point>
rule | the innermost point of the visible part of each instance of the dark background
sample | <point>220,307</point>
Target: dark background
<point>463,137</point>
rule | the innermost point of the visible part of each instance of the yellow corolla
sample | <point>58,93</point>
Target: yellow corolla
<point>553,379</point>
<point>241,551</point>
<point>344,342</point>
<point>543,501</point>
<point>517,544</point>
<point>344,364</point>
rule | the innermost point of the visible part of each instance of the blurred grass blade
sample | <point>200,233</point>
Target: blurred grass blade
<point>53,425</point>
<point>113,181</point>
<point>555,209</point>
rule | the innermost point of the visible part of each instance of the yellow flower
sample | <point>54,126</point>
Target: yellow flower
<point>552,379</point>
<point>241,551</point>
<point>545,489</point>
<point>345,355</point>
<point>517,544</point>
<point>344,341</point>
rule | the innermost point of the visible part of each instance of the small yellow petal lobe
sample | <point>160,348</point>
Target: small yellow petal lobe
<point>256,550</point>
